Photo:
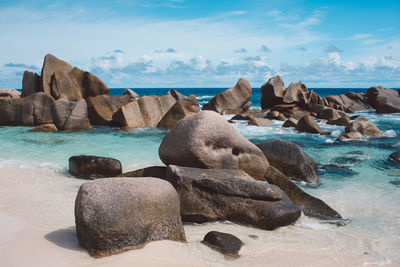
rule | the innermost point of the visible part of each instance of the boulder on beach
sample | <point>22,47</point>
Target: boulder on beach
<point>206,140</point>
<point>69,115</point>
<point>102,108</point>
<point>48,127</point>
<point>27,111</point>
<point>61,80</point>
<point>296,93</point>
<point>31,83</point>
<point>119,214</point>
<point>178,111</point>
<point>365,127</point>
<point>226,243</point>
<point>290,159</point>
<point>232,98</point>
<point>132,94</point>
<point>309,205</point>
<point>7,94</point>
<point>206,195</point>
<point>383,100</point>
<point>272,92</point>
<point>86,166</point>
<point>307,124</point>
<point>145,112</point>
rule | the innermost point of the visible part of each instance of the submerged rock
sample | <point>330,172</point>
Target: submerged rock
<point>84,166</point>
<point>290,159</point>
<point>272,92</point>
<point>225,243</point>
<point>206,140</point>
<point>309,205</point>
<point>232,98</point>
<point>218,195</point>
<point>114,215</point>
<point>332,170</point>
<point>395,156</point>
<point>49,127</point>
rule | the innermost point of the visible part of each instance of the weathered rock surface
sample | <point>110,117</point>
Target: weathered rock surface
<point>145,112</point>
<point>210,197</point>
<point>308,125</point>
<point>114,215</point>
<point>296,93</point>
<point>61,80</point>
<point>383,100</point>
<point>28,111</point>
<point>69,115</point>
<point>272,92</point>
<point>84,166</point>
<point>175,94</point>
<point>178,111</point>
<point>309,205</point>
<point>349,102</point>
<point>330,114</point>
<point>291,122</point>
<point>232,98</point>
<point>247,115</point>
<point>290,159</point>
<point>342,121</point>
<point>364,127</point>
<point>30,83</point>
<point>8,94</point>
<point>153,171</point>
<point>102,108</point>
<point>132,94</point>
<point>49,127</point>
<point>206,140</point>
<point>259,122</point>
<point>225,243</point>
<point>350,135</point>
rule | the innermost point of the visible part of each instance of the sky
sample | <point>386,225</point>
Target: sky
<point>187,43</point>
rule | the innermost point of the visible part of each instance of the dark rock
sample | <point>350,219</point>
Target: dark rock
<point>154,171</point>
<point>332,170</point>
<point>290,159</point>
<point>295,93</point>
<point>309,205</point>
<point>132,94</point>
<point>259,122</point>
<point>308,125</point>
<point>225,243</point>
<point>232,98</point>
<point>395,156</point>
<point>291,122</point>
<point>207,140</point>
<point>30,83</point>
<point>395,183</point>
<point>49,127</point>
<point>70,116</point>
<point>178,111</point>
<point>27,111</point>
<point>84,166</point>
<point>115,215</point>
<point>342,121</point>
<point>102,108</point>
<point>207,195</point>
<point>382,99</point>
<point>272,92</point>
<point>364,127</point>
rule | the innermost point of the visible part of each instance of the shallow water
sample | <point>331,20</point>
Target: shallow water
<point>356,179</point>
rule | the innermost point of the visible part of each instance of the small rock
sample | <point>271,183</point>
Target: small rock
<point>225,243</point>
<point>291,122</point>
<point>259,122</point>
<point>308,125</point>
<point>94,167</point>
<point>342,121</point>
<point>48,127</point>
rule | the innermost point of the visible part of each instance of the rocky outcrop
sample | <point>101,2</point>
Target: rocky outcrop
<point>309,205</point>
<point>207,197</point>
<point>61,80</point>
<point>364,127</point>
<point>227,244</point>
<point>259,122</point>
<point>102,108</point>
<point>132,94</point>
<point>232,98</point>
<point>349,102</point>
<point>178,111</point>
<point>272,92</point>
<point>114,215</point>
<point>206,140</point>
<point>296,93</point>
<point>85,166</point>
<point>69,115</point>
<point>8,94</point>
<point>290,159</point>
<point>28,111</point>
<point>49,127</point>
<point>308,125</point>
<point>145,112</point>
<point>31,83</point>
<point>383,100</point>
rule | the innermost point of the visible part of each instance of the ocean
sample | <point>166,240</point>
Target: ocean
<point>356,179</point>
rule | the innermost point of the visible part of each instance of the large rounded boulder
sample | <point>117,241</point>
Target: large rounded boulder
<point>206,140</point>
<point>290,159</point>
<point>114,215</point>
<point>365,127</point>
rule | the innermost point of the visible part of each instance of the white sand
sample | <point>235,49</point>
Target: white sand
<point>37,229</point>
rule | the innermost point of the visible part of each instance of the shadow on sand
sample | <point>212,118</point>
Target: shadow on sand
<point>65,238</point>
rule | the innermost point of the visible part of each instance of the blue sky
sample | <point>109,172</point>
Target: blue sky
<point>184,43</point>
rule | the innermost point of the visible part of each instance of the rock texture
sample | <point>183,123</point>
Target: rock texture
<point>49,127</point>
<point>207,197</point>
<point>70,116</point>
<point>132,94</point>
<point>308,125</point>
<point>8,94</point>
<point>227,244</point>
<point>296,93</point>
<point>28,111</point>
<point>349,102</point>
<point>259,122</point>
<point>365,127</point>
<point>145,112</point>
<point>102,108</point>
<point>384,100</point>
<point>153,171</point>
<point>290,159</point>
<point>232,98</point>
<point>178,111</point>
<point>309,205</point>
<point>206,140</point>
<point>272,92</point>
<point>114,215</point>
<point>30,83</point>
<point>85,166</point>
